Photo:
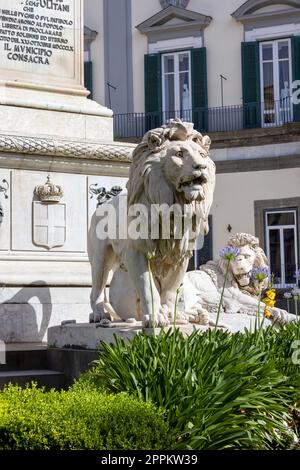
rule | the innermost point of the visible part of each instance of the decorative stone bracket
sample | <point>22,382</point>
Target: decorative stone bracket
<point>4,187</point>
<point>102,194</point>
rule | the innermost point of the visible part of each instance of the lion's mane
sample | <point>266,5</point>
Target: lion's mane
<point>239,240</point>
<point>148,185</point>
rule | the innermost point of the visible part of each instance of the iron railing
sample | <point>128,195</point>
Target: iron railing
<point>222,119</point>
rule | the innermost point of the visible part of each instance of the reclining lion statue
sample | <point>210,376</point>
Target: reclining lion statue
<point>171,166</point>
<point>201,290</point>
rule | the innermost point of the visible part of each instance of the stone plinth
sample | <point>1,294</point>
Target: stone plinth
<point>89,336</point>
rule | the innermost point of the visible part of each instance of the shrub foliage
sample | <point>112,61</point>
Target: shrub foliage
<point>31,419</point>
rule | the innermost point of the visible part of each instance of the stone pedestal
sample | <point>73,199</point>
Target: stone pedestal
<point>48,126</point>
<point>89,336</point>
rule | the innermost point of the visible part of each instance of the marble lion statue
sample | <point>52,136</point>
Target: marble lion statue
<point>171,166</point>
<point>201,290</point>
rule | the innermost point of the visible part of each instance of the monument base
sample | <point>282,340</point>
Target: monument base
<point>89,335</point>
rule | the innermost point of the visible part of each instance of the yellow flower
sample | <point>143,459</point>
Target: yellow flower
<point>271,294</point>
<point>267,313</point>
<point>268,302</point>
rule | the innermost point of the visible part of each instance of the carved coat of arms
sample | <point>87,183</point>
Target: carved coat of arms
<point>49,224</point>
<point>49,216</point>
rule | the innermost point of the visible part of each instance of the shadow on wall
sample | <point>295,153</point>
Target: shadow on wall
<point>25,314</point>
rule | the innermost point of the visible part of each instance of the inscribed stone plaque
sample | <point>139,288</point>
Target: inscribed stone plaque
<point>41,41</point>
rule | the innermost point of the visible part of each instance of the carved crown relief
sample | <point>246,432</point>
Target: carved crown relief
<point>49,192</point>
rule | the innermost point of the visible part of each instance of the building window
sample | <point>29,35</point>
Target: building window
<point>276,80</point>
<point>203,251</point>
<point>282,245</point>
<point>176,83</point>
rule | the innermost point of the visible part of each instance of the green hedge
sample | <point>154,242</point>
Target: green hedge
<point>31,419</point>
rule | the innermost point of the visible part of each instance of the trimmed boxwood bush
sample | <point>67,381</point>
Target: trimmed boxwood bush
<point>83,418</point>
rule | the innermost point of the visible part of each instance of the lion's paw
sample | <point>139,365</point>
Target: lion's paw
<point>181,318</point>
<point>104,323</point>
<point>199,316</point>
<point>157,322</point>
<point>281,316</point>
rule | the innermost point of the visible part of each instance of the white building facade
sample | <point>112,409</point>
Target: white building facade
<point>231,67</point>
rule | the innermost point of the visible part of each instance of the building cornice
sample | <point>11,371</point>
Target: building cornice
<point>249,11</point>
<point>158,22</point>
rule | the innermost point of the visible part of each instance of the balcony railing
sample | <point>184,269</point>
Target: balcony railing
<point>223,119</point>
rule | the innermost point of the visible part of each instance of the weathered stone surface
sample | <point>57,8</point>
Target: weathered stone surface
<point>89,335</point>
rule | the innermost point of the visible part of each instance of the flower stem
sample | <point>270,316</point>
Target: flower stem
<point>288,305</point>
<point>175,306</point>
<point>222,294</point>
<point>258,308</point>
<point>152,295</point>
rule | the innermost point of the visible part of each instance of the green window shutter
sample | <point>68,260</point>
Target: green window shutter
<point>251,84</point>
<point>88,77</point>
<point>199,88</point>
<point>206,253</point>
<point>153,91</point>
<point>296,71</point>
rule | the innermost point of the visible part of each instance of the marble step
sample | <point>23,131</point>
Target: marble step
<point>43,377</point>
<point>25,357</point>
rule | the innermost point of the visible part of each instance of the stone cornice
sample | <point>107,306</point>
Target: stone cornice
<point>158,21</point>
<point>115,152</point>
<point>250,9</point>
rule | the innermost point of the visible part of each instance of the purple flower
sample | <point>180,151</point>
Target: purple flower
<point>260,274</point>
<point>296,293</point>
<point>297,274</point>
<point>287,295</point>
<point>229,253</point>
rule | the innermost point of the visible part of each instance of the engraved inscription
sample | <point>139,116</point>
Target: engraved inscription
<point>38,36</point>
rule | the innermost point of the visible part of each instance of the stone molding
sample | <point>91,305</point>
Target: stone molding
<point>175,3</point>
<point>193,24</point>
<point>249,11</point>
<point>60,148</point>
<point>251,6</point>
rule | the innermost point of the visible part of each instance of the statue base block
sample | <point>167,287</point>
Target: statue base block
<point>89,335</point>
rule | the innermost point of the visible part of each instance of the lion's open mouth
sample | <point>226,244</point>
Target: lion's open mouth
<point>193,181</point>
<point>243,279</point>
<point>192,187</point>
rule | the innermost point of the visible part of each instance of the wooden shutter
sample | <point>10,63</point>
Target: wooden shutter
<point>251,84</point>
<point>296,72</point>
<point>88,77</point>
<point>206,253</point>
<point>153,91</point>
<point>199,89</point>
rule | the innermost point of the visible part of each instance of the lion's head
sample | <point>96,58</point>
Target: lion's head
<point>172,165</point>
<point>250,256</point>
